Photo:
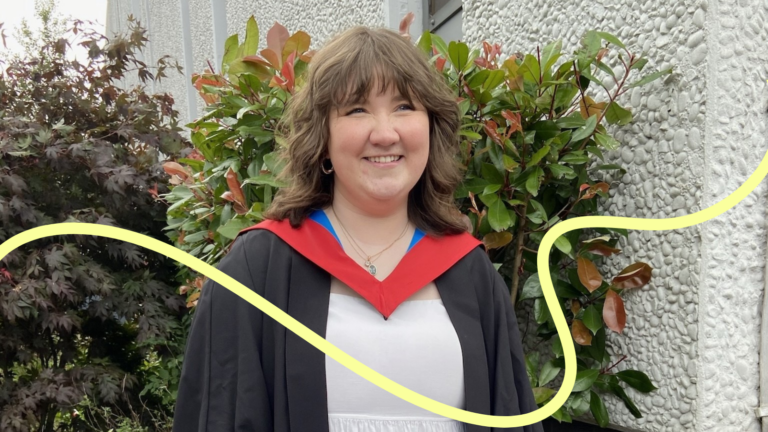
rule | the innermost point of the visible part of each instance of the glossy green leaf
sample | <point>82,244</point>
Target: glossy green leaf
<point>585,379</point>
<point>571,122</point>
<point>440,45</point>
<point>498,216</point>
<point>619,391</point>
<point>574,158</point>
<point>639,64</point>
<point>458,53</point>
<point>562,244</point>
<point>548,372</point>
<point>611,39</point>
<point>650,78</point>
<point>637,380</point>
<point>607,142</point>
<point>540,310</point>
<point>230,50</point>
<point>425,43</point>
<point>615,114</point>
<point>251,42</point>
<point>232,228</point>
<point>599,412</point>
<point>591,41</point>
<point>531,288</point>
<point>491,174</point>
<point>542,394</point>
<point>593,319</point>
<point>539,155</point>
<point>495,78</point>
<point>561,171</point>
<point>531,367</point>
<point>478,78</point>
<point>534,180</point>
<point>530,68</point>
<point>561,415</point>
<point>586,130</point>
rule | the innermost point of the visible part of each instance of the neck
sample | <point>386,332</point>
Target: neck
<point>371,227</point>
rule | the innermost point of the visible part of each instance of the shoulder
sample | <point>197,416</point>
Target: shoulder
<point>253,244</point>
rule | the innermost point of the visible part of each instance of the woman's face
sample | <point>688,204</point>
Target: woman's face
<point>379,147</point>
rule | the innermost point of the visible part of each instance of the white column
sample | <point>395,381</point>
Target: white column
<point>219,10</point>
<point>188,59</point>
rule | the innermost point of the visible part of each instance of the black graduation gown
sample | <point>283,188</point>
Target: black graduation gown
<point>245,372</point>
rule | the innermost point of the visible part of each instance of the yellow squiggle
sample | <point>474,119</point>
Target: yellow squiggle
<point>359,368</point>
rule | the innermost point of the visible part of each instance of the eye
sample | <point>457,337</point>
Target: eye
<point>355,111</point>
<point>406,106</point>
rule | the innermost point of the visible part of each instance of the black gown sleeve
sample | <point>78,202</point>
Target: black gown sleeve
<point>222,386</point>
<point>510,358</point>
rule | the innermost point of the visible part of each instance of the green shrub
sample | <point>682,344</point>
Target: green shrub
<point>532,143</point>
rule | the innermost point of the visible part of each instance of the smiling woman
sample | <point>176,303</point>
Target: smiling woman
<point>371,141</point>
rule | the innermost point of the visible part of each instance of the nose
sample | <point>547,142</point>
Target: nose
<point>383,132</point>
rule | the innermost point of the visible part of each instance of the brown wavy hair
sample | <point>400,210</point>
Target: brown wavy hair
<point>344,71</point>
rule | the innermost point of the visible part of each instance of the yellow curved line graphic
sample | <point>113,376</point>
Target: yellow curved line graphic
<point>373,376</point>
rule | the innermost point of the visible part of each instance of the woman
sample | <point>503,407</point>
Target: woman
<point>367,249</point>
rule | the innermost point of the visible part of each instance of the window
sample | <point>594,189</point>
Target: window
<point>443,18</point>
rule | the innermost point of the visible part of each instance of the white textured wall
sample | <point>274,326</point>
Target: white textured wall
<point>697,137</point>
<point>733,245</point>
<point>162,19</point>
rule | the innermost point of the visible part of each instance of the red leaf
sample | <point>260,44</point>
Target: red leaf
<point>277,36</point>
<point>272,58</point>
<point>440,63</point>
<point>490,129</point>
<point>594,189</point>
<point>588,274</point>
<point>288,72</point>
<point>405,25</point>
<point>634,276</point>
<point>514,120</point>
<point>259,67</point>
<point>173,168</point>
<point>229,196</point>
<point>580,333</point>
<point>602,53</point>
<point>234,187</point>
<point>307,56</point>
<point>614,315</point>
<point>582,187</point>
<point>153,191</point>
<point>278,81</point>
<point>486,49</point>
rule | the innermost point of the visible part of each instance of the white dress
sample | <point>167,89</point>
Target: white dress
<point>416,347</point>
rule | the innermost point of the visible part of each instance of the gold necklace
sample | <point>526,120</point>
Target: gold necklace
<point>368,259</point>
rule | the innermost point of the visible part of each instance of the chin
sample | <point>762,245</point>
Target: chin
<point>386,193</point>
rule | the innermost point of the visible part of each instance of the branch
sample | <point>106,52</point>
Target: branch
<point>518,253</point>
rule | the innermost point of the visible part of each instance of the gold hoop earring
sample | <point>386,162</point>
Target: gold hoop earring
<point>326,170</point>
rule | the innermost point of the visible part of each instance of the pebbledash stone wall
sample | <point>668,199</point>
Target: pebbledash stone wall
<point>696,137</point>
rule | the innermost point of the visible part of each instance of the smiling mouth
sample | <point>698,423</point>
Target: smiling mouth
<point>383,159</point>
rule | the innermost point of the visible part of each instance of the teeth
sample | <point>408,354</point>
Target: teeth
<point>383,159</point>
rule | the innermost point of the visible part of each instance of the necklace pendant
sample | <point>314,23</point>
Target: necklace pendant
<point>371,267</point>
